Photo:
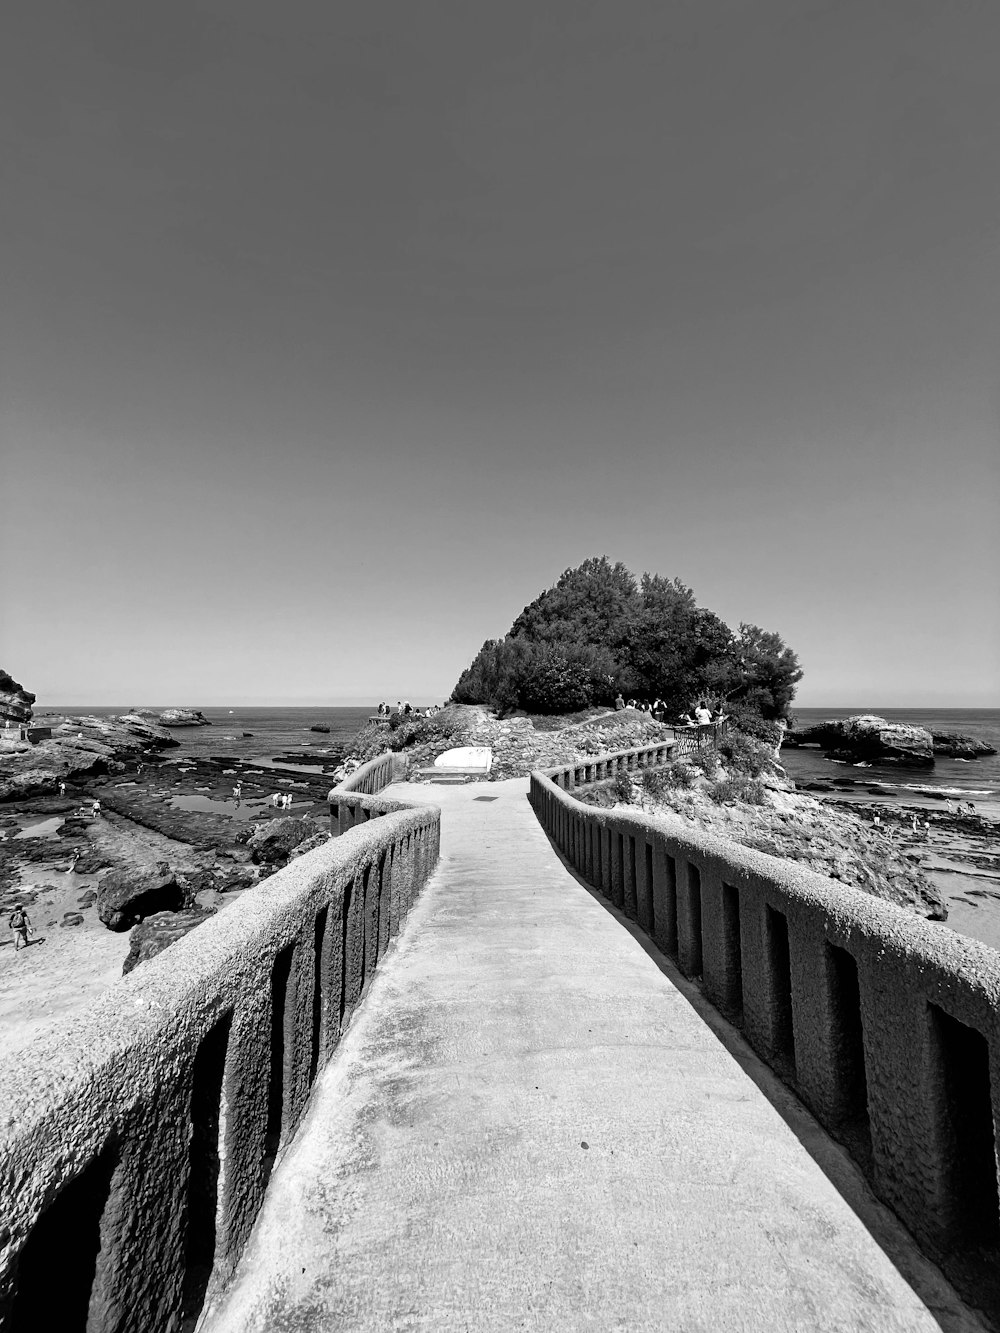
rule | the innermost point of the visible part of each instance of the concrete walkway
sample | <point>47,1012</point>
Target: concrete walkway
<point>529,1126</point>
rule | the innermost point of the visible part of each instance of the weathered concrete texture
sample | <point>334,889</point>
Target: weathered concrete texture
<point>136,1140</point>
<point>887,1026</point>
<point>530,1127</point>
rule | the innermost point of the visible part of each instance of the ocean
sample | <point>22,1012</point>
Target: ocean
<point>973,894</point>
<point>284,730</point>
<point>272,730</point>
<point>976,780</point>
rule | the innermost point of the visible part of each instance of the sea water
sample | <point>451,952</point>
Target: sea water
<point>280,731</point>
<point>976,780</point>
<point>274,731</point>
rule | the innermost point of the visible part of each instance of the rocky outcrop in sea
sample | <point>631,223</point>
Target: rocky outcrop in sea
<point>78,747</point>
<point>952,745</point>
<point>868,739</point>
<point>183,717</point>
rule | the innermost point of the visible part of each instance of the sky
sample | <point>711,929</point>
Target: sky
<point>332,334</point>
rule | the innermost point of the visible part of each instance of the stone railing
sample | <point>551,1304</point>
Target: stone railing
<point>352,801</point>
<point>136,1140</point>
<point>886,1025</point>
<point>606,766</point>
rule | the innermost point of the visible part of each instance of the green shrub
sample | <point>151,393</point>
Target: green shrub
<point>622,789</point>
<point>738,787</point>
<point>742,754</point>
<point>705,760</point>
<point>656,783</point>
<point>750,723</point>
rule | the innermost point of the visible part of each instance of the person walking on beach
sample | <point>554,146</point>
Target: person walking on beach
<point>20,924</point>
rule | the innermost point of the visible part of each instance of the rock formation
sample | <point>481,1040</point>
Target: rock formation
<point>15,701</point>
<point>274,843</point>
<point>183,717</point>
<point>869,739</point>
<point>955,746</point>
<point>79,747</point>
<point>159,931</point>
<point>128,895</point>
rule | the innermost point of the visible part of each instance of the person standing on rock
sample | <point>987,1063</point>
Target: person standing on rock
<point>20,924</point>
<point>62,789</point>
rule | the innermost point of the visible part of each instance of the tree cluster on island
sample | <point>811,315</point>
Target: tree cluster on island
<point>599,633</point>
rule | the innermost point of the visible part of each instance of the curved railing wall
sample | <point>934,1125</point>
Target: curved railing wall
<point>354,801</point>
<point>605,766</point>
<point>887,1026</point>
<point>138,1138</point>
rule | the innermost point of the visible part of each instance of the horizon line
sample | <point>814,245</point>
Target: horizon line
<point>423,700</point>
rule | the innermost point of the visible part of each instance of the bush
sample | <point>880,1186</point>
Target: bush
<point>552,684</point>
<point>743,754</point>
<point>750,723</point>
<point>705,760</point>
<point>656,782</point>
<point>622,789</point>
<point>738,787</point>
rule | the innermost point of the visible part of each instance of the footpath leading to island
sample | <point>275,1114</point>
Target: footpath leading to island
<point>532,1125</point>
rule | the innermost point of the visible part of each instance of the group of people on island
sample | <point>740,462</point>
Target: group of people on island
<point>699,716</point>
<point>405,709</point>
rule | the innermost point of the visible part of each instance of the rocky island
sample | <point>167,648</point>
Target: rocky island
<point>870,739</point>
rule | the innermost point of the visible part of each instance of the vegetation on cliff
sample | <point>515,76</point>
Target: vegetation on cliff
<point>519,744</point>
<point>599,632</point>
<point>739,791</point>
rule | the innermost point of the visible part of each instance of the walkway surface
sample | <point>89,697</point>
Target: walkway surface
<point>530,1125</point>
